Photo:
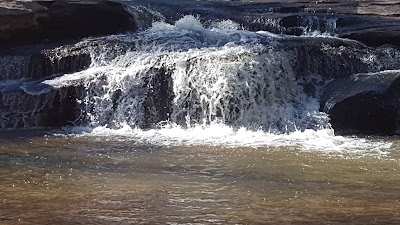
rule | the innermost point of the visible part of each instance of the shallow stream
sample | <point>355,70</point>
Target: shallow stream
<point>46,179</point>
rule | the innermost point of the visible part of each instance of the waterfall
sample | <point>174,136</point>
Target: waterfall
<point>189,75</point>
<point>189,83</point>
<point>313,25</point>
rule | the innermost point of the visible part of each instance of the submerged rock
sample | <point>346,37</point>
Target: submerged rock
<point>364,103</point>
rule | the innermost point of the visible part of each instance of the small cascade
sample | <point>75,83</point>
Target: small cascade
<point>57,61</point>
<point>313,25</point>
<point>191,75</point>
<point>46,63</point>
<point>33,88</point>
<point>299,25</point>
<point>26,101</point>
<point>308,25</point>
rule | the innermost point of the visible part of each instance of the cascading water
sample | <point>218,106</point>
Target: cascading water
<point>314,25</point>
<point>211,76</point>
<point>202,120</point>
<point>186,84</point>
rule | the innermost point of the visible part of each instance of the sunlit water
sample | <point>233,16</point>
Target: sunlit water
<point>242,143</point>
<point>119,180</point>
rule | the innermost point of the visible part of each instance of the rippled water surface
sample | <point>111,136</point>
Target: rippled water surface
<point>99,180</point>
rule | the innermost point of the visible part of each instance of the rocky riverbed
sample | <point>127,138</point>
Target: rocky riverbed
<point>42,40</point>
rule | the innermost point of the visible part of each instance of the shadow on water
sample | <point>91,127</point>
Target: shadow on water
<point>23,134</point>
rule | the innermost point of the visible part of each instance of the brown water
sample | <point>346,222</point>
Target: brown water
<point>94,180</point>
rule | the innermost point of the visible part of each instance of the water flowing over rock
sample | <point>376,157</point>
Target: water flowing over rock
<point>27,100</point>
<point>215,69</point>
<point>42,64</point>
<point>374,23</point>
<point>229,76</point>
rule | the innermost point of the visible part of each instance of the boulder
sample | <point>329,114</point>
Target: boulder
<point>33,62</point>
<point>364,103</point>
<point>53,108</point>
<point>377,37</point>
<point>54,20</point>
<point>49,30</point>
<point>37,63</point>
<point>27,101</point>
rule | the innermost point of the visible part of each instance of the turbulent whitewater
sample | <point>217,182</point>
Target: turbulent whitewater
<point>212,75</point>
<point>188,84</point>
<point>231,116</point>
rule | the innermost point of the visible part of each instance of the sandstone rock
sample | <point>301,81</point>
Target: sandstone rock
<point>27,102</point>
<point>373,23</point>
<point>26,22</point>
<point>364,103</point>
<point>56,108</point>
<point>36,63</point>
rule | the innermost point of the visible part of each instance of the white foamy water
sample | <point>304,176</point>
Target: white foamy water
<point>219,135</point>
<point>319,26</point>
<point>185,84</point>
<point>212,75</point>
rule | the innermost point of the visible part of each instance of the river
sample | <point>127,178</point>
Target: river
<point>193,122</point>
<point>47,179</point>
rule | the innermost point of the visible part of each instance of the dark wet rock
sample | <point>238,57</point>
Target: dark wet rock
<point>24,21</point>
<point>373,23</point>
<point>158,104</point>
<point>364,103</point>
<point>19,19</point>
<point>335,58</point>
<point>35,63</point>
<point>56,108</point>
<point>377,37</point>
<point>25,99</point>
<point>69,19</point>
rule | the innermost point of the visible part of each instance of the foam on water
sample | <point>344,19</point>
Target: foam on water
<point>219,135</point>
<point>228,76</point>
<point>220,86</point>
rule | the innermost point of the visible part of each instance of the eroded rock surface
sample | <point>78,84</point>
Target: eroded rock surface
<point>37,44</point>
<point>364,103</point>
<point>24,22</point>
<point>43,40</point>
<point>374,23</point>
